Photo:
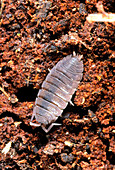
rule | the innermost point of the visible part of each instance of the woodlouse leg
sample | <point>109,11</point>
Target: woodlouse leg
<point>32,116</point>
<point>71,103</point>
<point>49,69</point>
<point>49,128</point>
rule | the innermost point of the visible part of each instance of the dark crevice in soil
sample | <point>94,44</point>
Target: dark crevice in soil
<point>110,155</point>
<point>4,69</point>
<point>27,94</point>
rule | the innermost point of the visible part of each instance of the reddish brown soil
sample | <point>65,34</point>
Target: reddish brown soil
<point>35,35</point>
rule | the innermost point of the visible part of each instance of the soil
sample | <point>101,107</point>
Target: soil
<point>35,35</point>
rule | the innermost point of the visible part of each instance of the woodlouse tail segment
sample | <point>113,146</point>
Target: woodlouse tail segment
<point>34,124</point>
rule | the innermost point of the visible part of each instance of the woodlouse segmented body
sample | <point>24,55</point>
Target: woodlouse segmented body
<point>57,90</point>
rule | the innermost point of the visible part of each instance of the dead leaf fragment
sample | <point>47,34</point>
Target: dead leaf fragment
<point>22,161</point>
<point>101,18</point>
<point>68,143</point>
<point>1,124</point>
<point>17,123</point>
<point>49,149</point>
<point>7,148</point>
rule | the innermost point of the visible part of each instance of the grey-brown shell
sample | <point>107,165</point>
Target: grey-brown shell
<point>57,89</point>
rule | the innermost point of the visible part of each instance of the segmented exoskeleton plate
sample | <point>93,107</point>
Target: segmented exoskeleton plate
<point>57,90</point>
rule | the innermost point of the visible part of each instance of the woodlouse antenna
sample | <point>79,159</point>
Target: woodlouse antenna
<point>49,128</point>
<point>74,54</point>
<point>78,56</point>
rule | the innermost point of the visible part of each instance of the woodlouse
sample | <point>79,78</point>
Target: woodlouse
<point>57,90</point>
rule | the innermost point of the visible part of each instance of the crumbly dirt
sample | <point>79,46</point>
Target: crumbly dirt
<point>34,36</point>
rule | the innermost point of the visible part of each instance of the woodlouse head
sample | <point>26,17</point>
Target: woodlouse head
<point>73,63</point>
<point>77,55</point>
